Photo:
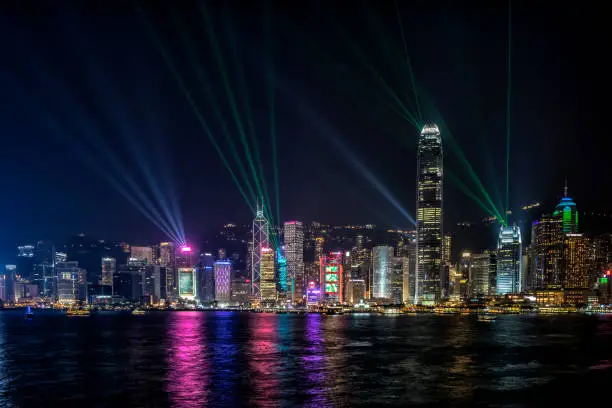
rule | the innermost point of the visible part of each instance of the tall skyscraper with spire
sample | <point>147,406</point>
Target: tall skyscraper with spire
<point>261,240</point>
<point>430,284</point>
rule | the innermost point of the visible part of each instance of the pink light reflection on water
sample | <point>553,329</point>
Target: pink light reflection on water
<point>188,381</point>
<point>264,360</point>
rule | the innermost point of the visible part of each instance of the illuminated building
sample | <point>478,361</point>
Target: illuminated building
<point>577,256</point>
<point>240,291</point>
<point>446,248</point>
<point>128,280</point>
<point>547,242</point>
<point>462,276</point>
<point>167,256</point>
<point>331,277</point>
<point>261,240</point>
<point>223,272</point>
<point>71,283</point>
<point>381,272</point>
<point>479,274</point>
<point>313,294</point>
<point>60,257</point>
<point>509,257</point>
<point>268,283</point>
<point>206,278</point>
<point>145,254</point>
<point>186,283</point>
<point>549,297</point>
<point>399,277</point>
<point>357,291</point>
<point>283,282</point>
<point>109,267</point>
<point>430,285</point>
<point>25,261</point>
<point>319,249</point>
<point>602,247</point>
<point>294,255</point>
<point>566,210</point>
<point>43,273</point>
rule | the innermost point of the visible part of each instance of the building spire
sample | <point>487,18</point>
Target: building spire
<point>259,210</point>
<point>565,189</point>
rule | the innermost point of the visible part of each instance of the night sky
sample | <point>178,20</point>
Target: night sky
<point>85,91</point>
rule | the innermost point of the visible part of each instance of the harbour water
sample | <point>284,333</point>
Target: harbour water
<point>241,359</point>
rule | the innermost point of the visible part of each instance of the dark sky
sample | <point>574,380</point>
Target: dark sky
<point>87,94</point>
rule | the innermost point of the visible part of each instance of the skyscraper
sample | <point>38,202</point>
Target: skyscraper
<point>167,259</point>
<point>509,259</point>
<point>261,240</point>
<point>223,280</point>
<point>547,239</point>
<point>331,277</point>
<point>294,255</point>
<point>577,257</point>
<point>479,274</point>
<point>382,265</point>
<point>144,254</point>
<point>566,210</point>
<point>430,284</point>
<point>267,283</point>
<point>109,267</point>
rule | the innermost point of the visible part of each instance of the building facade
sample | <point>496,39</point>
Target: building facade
<point>509,260</point>
<point>430,284</point>
<point>294,255</point>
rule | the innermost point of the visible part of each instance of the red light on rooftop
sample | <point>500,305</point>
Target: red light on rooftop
<point>186,248</point>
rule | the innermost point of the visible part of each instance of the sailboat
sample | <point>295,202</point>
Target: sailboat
<point>29,315</point>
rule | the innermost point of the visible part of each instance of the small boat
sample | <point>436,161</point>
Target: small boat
<point>486,318</point>
<point>77,312</point>
<point>138,312</point>
<point>29,315</point>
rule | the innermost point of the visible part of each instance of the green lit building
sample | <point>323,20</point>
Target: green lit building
<point>566,210</point>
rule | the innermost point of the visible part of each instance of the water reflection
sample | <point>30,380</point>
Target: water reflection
<point>188,382</point>
<point>313,362</point>
<point>264,362</point>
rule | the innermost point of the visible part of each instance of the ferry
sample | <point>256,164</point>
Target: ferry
<point>77,312</point>
<point>138,312</point>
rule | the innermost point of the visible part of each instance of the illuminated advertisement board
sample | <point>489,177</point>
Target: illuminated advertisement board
<point>186,283</point>
<point>331,280</point>
<point>313,296</point>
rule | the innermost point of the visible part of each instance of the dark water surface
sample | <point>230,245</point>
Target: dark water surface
<point>228,359</point>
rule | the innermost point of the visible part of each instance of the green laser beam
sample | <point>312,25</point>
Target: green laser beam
<point>508,107</point>
<point>192,103</point>
<point>238,65</point>
<point>272,103</point>
<point>414,89</point>
<point>205,83</point>
<point>230,94</point>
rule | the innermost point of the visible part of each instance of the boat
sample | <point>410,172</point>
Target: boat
<point>138,312</point>
<point>486,317</point>
<point>77,312</point>
<point>29,315</point>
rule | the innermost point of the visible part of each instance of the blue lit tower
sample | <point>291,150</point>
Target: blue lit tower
<point>429,285</point>
<point>566,209</point>
<point>261,240</point>
<point>509,256</point>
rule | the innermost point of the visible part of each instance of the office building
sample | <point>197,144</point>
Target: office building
<point>294,256</point>
<point>509,259</point>
<point>141,253</point>
<point>268,283</point>
<point>430,284</point>
<point>167,254</point>
<point>399,275</point>
<point>567,211</point>
<point>261,240</point>
<point>381,272</point>
<point>331,278</point>
<point>479,274</point>
<point>577,261</point>
<point>109,267</point>
<point>222,272</point>
<point>71,283</point>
